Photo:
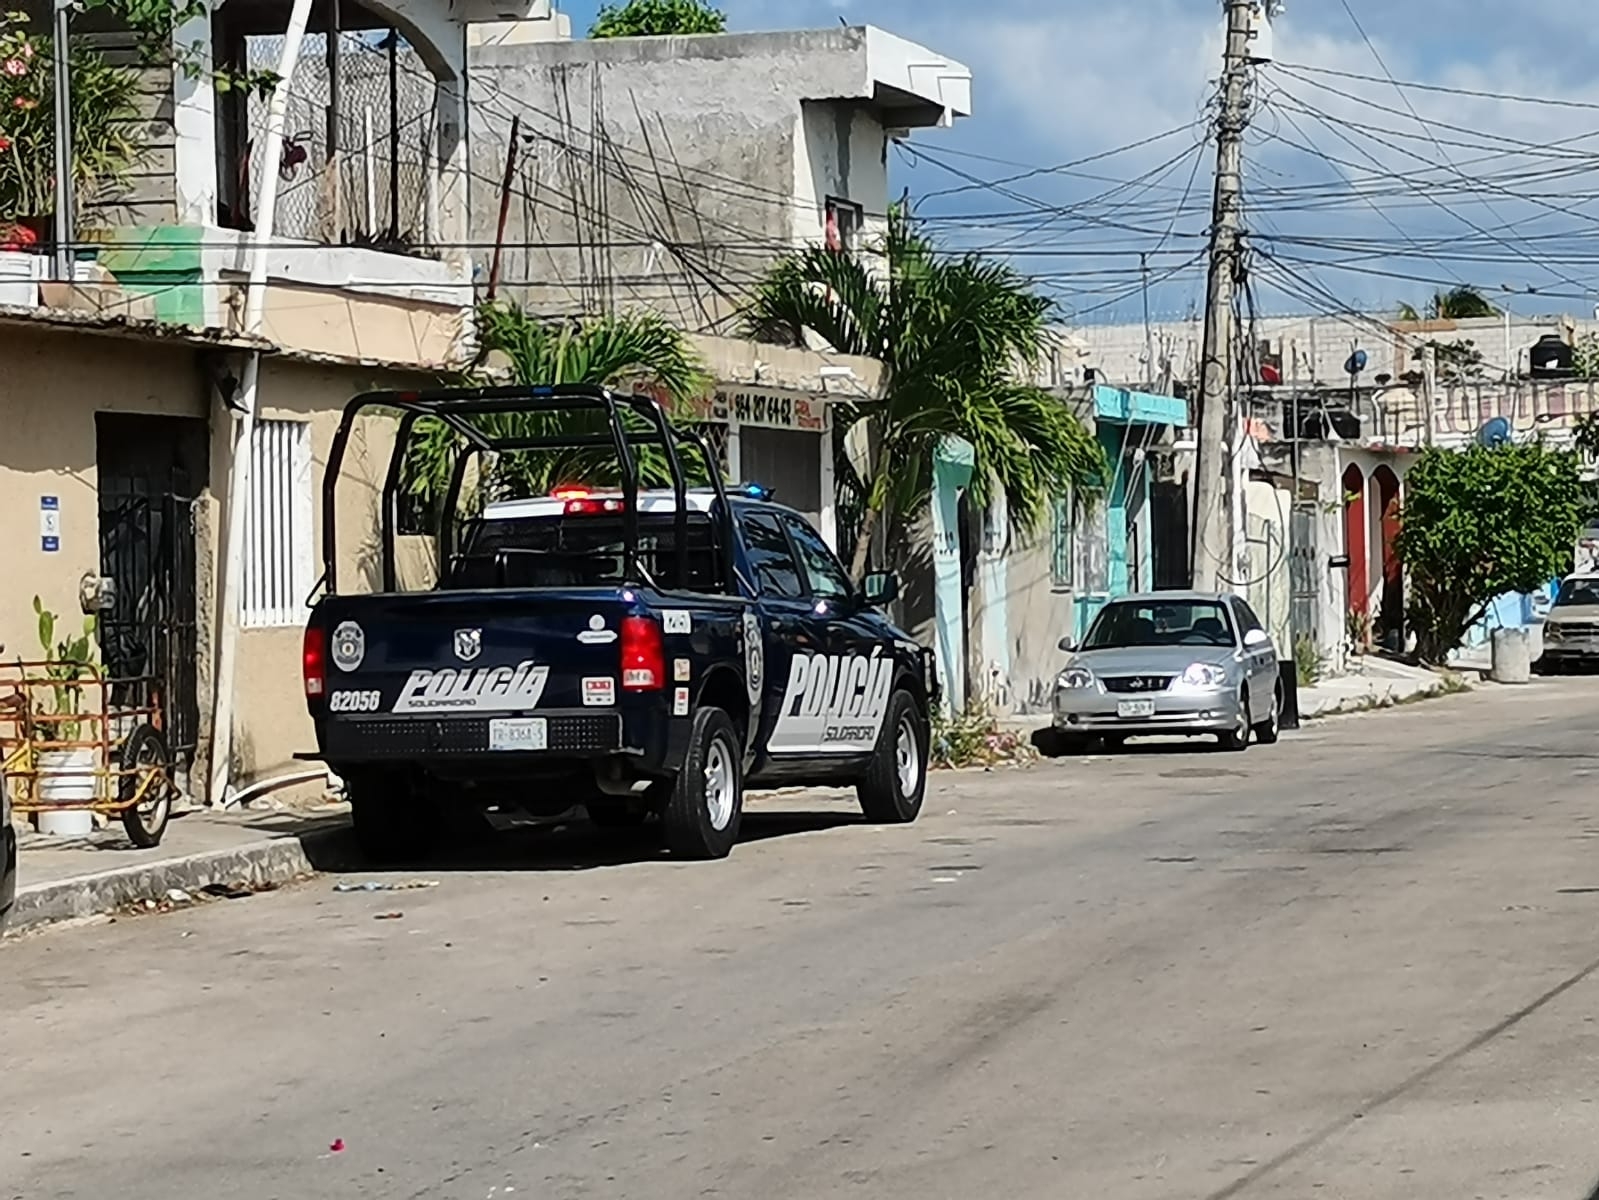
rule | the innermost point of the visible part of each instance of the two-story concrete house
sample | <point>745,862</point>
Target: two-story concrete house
<point>669,173</point>
<point>118,401</point>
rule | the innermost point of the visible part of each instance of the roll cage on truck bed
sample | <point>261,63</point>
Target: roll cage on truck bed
<point>637,652</point>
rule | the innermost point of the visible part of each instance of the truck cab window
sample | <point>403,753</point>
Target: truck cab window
<point>827,577</point>
<point>771,557</point>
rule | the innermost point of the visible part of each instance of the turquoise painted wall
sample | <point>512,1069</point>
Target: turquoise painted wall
<point>952,471</point>
<point>1123,422</point>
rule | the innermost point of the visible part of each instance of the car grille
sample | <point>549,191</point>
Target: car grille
<point>404,737</point>
<point>1137,684</point>
<point>1573,629</point>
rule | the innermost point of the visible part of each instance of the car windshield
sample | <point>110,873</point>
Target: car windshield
<point>1176,623</point>
<point>1575,592</point>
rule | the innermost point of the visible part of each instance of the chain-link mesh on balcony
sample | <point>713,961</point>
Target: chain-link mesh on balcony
<point>378,187</point>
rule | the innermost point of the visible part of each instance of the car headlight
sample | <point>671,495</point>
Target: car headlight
<point>1073,678</point>
<point>1204,675</point>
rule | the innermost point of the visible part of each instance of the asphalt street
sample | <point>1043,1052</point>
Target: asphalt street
<point>1363,963</point>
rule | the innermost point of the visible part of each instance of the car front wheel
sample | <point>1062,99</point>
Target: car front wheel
<point>1267,732</point>
<point>1237,738</point>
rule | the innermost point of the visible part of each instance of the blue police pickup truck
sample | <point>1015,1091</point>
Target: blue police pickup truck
<point>640,652</point>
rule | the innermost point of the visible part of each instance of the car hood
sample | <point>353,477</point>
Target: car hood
<point>1584,614</point>
<point>1151,660</point>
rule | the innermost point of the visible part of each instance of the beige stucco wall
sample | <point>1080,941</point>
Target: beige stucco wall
<point>325,320</point>
<point>51,386</point>
<point>1038,615</point>
<point>270,723</point>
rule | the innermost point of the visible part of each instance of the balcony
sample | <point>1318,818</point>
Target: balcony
<point>368,255</point>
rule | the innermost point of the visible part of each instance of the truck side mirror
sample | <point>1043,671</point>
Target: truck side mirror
<point>880,588</point>
<point>1067,644</point>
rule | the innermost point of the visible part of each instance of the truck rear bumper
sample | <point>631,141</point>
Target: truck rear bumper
<point>398,740</point>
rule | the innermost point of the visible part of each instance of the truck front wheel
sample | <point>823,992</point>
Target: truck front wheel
<point>891,793</point>
<point>391,816</point>
<point>702,815</point>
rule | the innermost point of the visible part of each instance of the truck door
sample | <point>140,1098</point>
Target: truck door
<point>784,612</point>
<point>839,707</point>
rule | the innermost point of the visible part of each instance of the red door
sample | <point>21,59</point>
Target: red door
<point>1391,619</point>
<point>1358,602</point>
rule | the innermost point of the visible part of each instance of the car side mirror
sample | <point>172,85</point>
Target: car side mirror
<point>1256,638</point>
<point>1068,645</point>
<point>880,588</point>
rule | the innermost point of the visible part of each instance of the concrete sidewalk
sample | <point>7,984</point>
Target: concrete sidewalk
<point>1374,683</point>
<point>64,878</point>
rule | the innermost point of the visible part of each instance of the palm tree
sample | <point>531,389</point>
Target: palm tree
<point>1460,304</point>
<point>625,351</point>
<point>954,332</point>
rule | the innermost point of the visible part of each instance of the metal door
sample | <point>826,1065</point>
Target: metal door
<point>152,473</point>
<point>1304,599</point>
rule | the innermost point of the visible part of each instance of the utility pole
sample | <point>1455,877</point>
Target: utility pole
<point>1215,496</point>
<point>1149,334</point>
<point>61,59</point>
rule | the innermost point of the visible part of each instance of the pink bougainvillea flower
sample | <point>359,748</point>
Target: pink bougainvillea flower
<point>15,66</point>
<point>25,103</point>
<point>5,143</point>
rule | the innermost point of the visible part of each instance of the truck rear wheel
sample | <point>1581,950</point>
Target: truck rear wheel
<point>706,806</point>
<point>391,816</point>
<point>892,790</point>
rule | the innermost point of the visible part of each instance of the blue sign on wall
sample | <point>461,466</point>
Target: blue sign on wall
<point>50,524</point>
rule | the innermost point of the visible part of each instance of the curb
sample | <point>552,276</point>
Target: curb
<point>268,861</point>
<point>1377,701</point>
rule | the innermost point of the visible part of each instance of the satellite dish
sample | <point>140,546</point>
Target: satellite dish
<point>1356,363</point>
<point>1494,433</point>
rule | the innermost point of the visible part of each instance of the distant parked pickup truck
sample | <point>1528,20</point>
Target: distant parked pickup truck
<point>642,653</point>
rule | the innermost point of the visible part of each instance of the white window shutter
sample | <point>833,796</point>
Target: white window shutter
<point>278,540</point>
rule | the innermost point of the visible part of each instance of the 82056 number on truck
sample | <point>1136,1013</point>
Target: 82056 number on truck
<point>642,653</point>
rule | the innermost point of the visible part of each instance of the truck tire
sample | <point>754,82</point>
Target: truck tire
<point>391,818</point>
<point>706,806</point>
<point>892,790</point>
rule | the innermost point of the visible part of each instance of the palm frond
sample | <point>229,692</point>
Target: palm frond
<point>956,334</point>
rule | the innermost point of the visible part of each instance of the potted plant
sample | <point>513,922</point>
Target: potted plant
<point>103,114</point>
<point>66,774</point>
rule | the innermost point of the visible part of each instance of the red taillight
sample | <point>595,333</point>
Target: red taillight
<point>314,661</point>
<point>643,655</point>
<point>589,507</point>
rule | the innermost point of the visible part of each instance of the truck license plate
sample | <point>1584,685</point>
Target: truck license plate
<point>1135,708</point>
<point>519,733</point>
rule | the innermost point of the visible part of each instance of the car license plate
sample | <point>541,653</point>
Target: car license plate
<point>1126,709</point>
<point>519,733</point>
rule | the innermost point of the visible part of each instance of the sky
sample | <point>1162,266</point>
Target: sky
<point>1361,193</point>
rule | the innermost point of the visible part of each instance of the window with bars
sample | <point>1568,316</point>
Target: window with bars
<point>278,537</point>
<point>1063,545</point>
<point>844,222</point>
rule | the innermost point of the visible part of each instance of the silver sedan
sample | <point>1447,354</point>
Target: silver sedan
<point>1183,663</point>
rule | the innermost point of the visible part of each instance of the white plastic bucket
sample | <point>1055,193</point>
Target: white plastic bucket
<point>18,284</point>
<point>66,777</point>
